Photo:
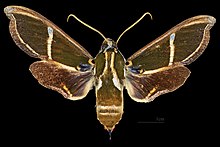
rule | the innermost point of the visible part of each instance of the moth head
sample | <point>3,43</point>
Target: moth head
<point>108,45</point>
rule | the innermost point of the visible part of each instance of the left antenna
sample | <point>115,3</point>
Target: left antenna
<point>85,24</point>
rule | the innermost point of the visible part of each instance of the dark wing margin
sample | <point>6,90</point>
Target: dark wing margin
<point>40,38</point>
<point>72,84</point>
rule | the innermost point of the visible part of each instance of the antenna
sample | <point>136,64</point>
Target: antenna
<point>147,13</point>
<point>85,24</point>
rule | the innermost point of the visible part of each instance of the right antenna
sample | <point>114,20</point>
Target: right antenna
<point>147,13</point>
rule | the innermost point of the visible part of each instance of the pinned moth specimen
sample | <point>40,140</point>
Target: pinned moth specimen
<point>68,68</point>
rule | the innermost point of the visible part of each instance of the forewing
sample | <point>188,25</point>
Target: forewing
<point>40,38</point>
<point>189,40</point>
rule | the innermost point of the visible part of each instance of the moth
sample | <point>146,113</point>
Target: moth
<point>68,68</point>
